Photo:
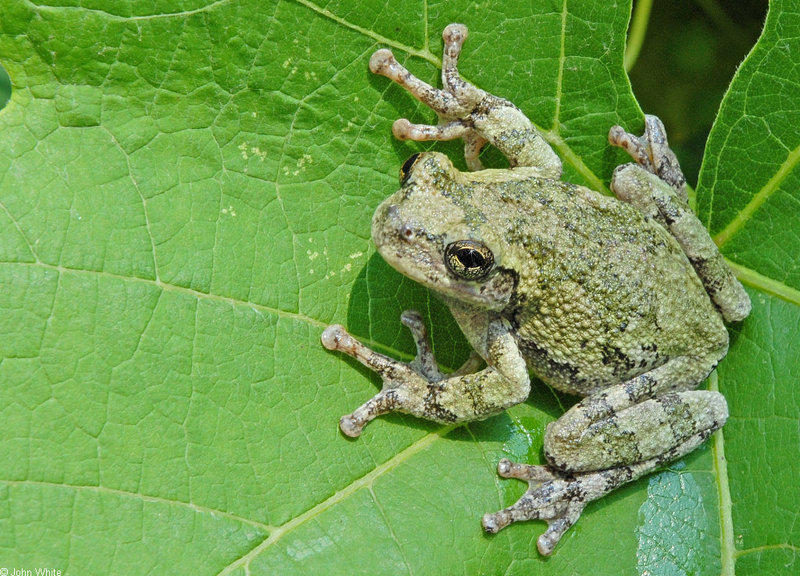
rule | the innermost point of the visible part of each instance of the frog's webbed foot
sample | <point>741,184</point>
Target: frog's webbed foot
<point>453,105</point>
<point>555,497</point>
<point>550,497</point>
<point>396,375</point>
<point>651,151</point>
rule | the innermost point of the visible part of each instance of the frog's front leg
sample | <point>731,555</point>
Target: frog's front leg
<point>612,437</point>
<point>465,111</point>
<point>655,185</point>
<point>420,389</point>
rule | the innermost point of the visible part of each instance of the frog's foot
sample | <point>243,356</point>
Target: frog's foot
<point>454,105</point>
<point>419,388</point>
<point>555,497</point>
<point>651,151</point>
<point>551,497</point>
<point>465,111</point>
<point>401,380</point>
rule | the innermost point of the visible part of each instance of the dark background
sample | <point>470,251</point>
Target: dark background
<point>689,56</point>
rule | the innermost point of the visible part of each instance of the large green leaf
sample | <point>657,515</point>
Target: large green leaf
<point>185,197</point>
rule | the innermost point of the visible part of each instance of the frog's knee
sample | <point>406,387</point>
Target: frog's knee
<point>563,446</point>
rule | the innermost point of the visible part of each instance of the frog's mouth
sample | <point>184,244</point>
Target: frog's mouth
<point>414,252</point>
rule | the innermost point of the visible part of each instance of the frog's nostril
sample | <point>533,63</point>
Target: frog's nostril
<point>395,221</point>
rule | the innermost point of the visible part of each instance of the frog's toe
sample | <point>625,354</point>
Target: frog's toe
<point>454,36</point>
<point>382,61</point>
<point>552,497</point>
<point>351,426</point>
<point>405,130</point>
<point>651,151</point>
<point>383,402</point>
<point>635,146</point>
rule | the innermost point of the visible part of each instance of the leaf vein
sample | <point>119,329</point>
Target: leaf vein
<point>767,548</point>
<point>727,544</point>
<point>143,200</point>
<point>365,481</point>
<point>397,541</point>
<point>180,289</point>
<point>751,278</point>
<point>84,10</point>
<point>560,78</point>
<point>759,198</point>
<point>143,497</point>
<point>20,232</point>
<point>424,53</point>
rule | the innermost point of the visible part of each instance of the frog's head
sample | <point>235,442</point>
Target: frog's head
<point>432,231</point>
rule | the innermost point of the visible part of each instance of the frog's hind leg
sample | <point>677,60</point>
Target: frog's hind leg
<point>612,437</point>
<point>655,185</point>
<point>559,498</point>
<point>636,421</point>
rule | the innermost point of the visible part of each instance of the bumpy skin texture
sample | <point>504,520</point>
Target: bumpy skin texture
<point>620,300</point>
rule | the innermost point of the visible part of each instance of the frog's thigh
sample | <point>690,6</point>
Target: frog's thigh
<point>658,200</point>
<point>643,418</point>
<point>656,428</point>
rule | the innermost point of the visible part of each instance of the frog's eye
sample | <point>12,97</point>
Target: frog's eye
<point>405,170</point>
<point>469,260</point>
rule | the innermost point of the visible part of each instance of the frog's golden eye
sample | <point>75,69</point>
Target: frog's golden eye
<point>469,260</point>
<point>405,170</point>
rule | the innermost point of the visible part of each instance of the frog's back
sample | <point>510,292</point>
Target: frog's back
<point>604,293</point>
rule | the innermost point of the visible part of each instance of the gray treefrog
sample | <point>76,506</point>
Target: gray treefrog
<point>618,300</point>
